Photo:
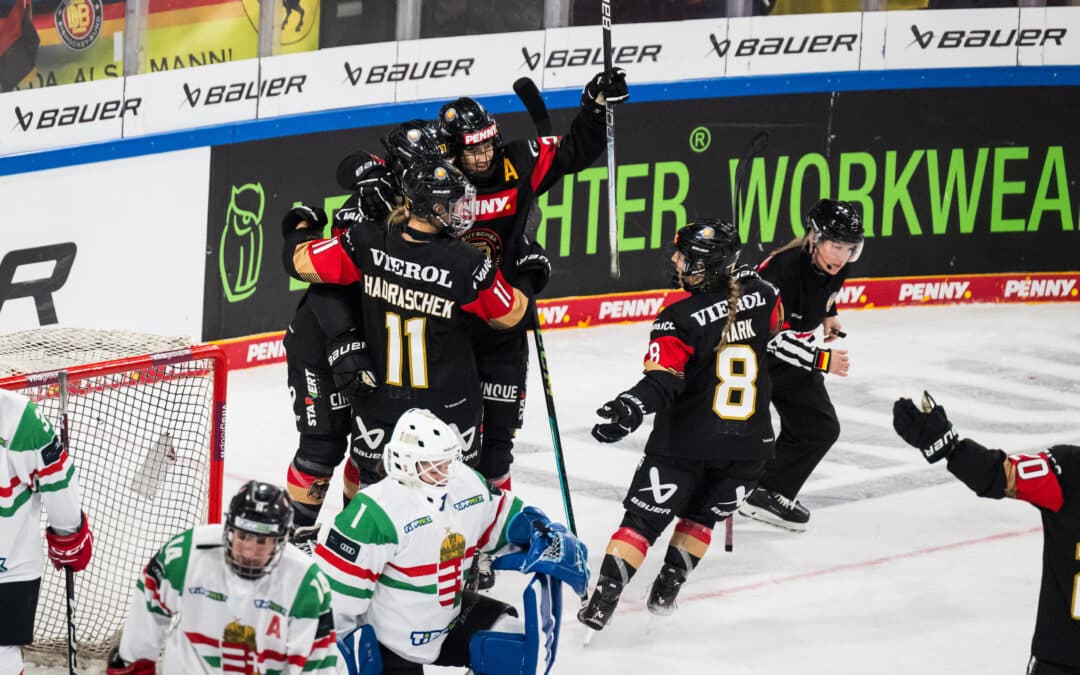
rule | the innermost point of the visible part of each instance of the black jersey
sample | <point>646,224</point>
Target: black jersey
<point>526,169</point>
<point>1057,627</point>
<point>415,299</point>
<point>722,410</point>
<point>808,294</point>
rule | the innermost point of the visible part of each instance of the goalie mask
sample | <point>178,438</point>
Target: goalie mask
<point>473,136</point>
<point>256,526</point>
<point>837,222</point>
<point>422,451</point>
<point>411,143</point>
<point>441,195</point>
<point>710,249</point>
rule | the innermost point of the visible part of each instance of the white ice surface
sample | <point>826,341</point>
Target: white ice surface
<point>902,569</point>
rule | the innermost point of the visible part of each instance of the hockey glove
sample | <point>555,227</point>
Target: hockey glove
<point>356,167</point>
<point>118,666</point>
<point>928,429</point>
<point>625,412</point>
<point>71,550</point>
<point>607,87</point>
<point>533,270</point>
<point>351,364</point>
<point>313,216</point>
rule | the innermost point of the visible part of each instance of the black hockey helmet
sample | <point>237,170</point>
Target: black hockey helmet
<point>836,221</point>
<point>710,247</point>
<point>263,510</point>
<point>411,142</point>
<point>439,193</point>
<point>466,123</point>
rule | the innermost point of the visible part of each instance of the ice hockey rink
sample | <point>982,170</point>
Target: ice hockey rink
<point>902,569</point>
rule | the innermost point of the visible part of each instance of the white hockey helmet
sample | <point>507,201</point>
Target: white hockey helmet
<point>422,450</point>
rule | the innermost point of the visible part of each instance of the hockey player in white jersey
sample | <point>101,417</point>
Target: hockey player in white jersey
<point>242,600</point>
<point>396,557</point>
<point>34,468</point>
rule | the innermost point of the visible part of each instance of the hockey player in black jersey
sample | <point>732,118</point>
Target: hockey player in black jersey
<point>705,380</point>
<point>328,365</point>
<point>809,272</point>
<point>419,283</point>
<point>508,177</point>
<point>1050,480</point>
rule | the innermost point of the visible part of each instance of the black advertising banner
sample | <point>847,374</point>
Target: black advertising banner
<point>964,181</point>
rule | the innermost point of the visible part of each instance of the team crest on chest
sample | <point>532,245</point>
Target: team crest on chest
<point>488,242</point>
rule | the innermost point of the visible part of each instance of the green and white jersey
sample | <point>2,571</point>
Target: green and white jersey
<point>34,468</point>
<point>279,623</point>
<point>397,556</point>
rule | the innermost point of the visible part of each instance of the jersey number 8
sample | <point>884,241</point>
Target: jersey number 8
<point>736,395</point>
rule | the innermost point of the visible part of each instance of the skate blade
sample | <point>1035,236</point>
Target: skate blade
<point>589,633</point>
<point>767,518</point>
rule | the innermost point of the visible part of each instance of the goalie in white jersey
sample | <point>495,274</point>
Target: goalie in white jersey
<point>34,467</point>
<point>396,557</point>
<point>242,600</point>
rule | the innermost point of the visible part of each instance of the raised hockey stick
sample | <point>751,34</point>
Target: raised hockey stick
<point>609,123</point>
<point>526,90</point>
<point>69,574</point>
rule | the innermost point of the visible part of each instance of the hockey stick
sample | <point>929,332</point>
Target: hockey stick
<point>526,90</point>
<point>758,143</point>
<point>69,574</point>
<point>609,123</point>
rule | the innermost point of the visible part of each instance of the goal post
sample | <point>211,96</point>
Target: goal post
<point>146,433</point>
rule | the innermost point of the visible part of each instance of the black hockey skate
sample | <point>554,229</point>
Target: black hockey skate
<point>597,611</point>
<point>665,589</point>
<point>775,509</point>
<point>304,538</point>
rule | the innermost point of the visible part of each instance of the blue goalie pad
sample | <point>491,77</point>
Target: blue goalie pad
<point>523,525</point>
<point>360,651</point>
<point>552,550</point>
<point>498,653</point>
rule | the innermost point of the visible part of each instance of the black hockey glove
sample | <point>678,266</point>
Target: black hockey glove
<point>312,215</point>
<point>375,196</point>
<point>606,87</point>
<point>625,412</point>
<point>351,365</point>
<point>357,167</point>
<point>928,429</point>
<point>533,270</point>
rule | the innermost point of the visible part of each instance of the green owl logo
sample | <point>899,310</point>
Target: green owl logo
<point>241,248</point>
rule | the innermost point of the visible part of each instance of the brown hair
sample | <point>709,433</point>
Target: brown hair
<point>734,291</point>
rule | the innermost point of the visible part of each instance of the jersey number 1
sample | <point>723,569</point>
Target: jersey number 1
<point>737,370</point>
<point>413,333</point>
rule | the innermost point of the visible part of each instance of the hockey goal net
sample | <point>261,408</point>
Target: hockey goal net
<point>145,428</point>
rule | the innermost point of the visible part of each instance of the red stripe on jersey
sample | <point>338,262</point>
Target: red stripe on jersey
<point>1036,480</point>
<point>548,145</point>
<point>200,639</point>
<point>670,352</point>
<point>268,654</point>
<point>329,261</point>
<point>6,490</point>
<point>418,571</point>
<point>695,530</point>
<point>58,465</point>
<point>486,536</point>
<point>344,565</point>
<point>150,583</point>
<point>492,302</point>
<point>776,319</point>
<point>628,536</point>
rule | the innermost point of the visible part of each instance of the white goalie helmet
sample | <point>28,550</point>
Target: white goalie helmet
<point>422,450</point>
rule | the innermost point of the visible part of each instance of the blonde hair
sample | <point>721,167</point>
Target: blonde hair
<point>806,241</point>
<point>399,216</point>
<point>734,292</point>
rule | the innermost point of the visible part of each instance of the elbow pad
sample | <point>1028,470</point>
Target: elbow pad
<point>981,469</point>
<point>657,389</point>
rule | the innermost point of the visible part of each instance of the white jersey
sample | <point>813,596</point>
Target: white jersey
<point>279,623</point>
<point>396,557</point>
<point>34,468</point>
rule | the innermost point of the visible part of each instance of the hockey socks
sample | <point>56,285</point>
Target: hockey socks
<point>688,546</point>
<point>307,483</point>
